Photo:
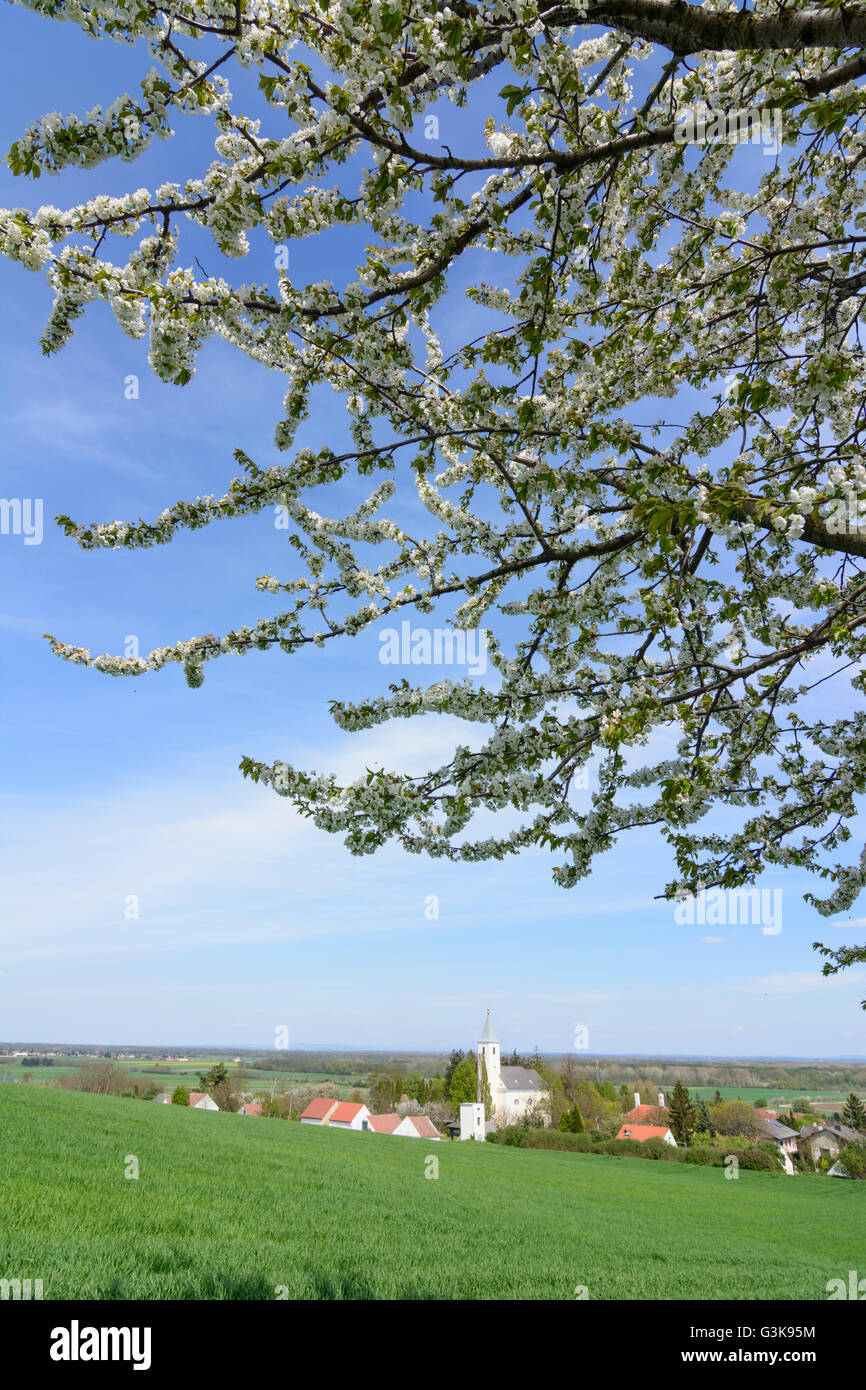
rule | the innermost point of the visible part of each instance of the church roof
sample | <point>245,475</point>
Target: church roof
<point>487,1033</point>
<point>521,1079</point>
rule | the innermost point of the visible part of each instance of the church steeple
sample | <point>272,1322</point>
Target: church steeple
<point>488,1051</point>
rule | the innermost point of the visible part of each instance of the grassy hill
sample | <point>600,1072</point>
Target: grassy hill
<point>231,1207</point>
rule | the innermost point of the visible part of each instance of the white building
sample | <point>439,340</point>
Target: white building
<point>200,1100</point>
<point>472,1120</point>
<point>348,1115</point>
<point>403,1126</point>
<point>514,1091</point>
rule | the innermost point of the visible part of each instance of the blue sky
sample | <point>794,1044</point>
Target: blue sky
<point>250,919</point>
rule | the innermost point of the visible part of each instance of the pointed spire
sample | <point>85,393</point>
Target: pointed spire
<point>487,1032</point>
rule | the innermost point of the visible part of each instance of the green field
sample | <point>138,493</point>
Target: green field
<point>171,1074</point>
<point>776,1100</point>
<point>231,1207</point>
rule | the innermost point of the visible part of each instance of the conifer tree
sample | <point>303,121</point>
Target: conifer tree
<point>682,1112</point>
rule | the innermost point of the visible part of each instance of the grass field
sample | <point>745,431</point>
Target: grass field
<point>173,1074</point>
<point>775,1099</point>
<point>231,1207</point>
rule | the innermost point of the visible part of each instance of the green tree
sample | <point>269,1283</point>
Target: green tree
<point>571,1121</point>
<point>854,1113</point>
<point>180,1096</point>
<point>718,1098</point>
<point>484,1094</point>
<point>605,299</point>
<point>682,1114</point>
<point>703,1120</point>
<point>464,1083</point>
<point>384,1089</point>
<point>415,1087</point>
<point>454,1060</point>
<point>217,1076</point>
<point>736,1117</point>
<point>853,1160</point>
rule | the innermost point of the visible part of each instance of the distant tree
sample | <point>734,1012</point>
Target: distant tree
<point>454,1060</point>
<point>736,1117</point>
<point>626,1096</point>
<point>464,1083</point>
<point>180,1096</point>
<point>682,1114</point>
<point>484,1094</point>
<point>515,1060</point>
<point>853,1160</point>
<point>803,1104</point>
<point>226,1094</point>
<point>607,1090</point>
<point>571,1121</point>
<point>437,1089</point>
<point>854,1113</point>
<point>703,1120</point>
<point>759,1104</point>
<point>415,1087</point>
<point>718,1098</point>
<point>218,1074</point>
<point>102,1079</point>
<point>384,1089</point>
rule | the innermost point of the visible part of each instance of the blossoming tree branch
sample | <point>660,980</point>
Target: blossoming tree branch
<point>645,473</point>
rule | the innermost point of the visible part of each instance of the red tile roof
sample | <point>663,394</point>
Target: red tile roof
<point>254,1107</point>
<point>345,1112</point>
<point>195,1096</point>
<point>645,1113</point>
<point>425,1126</point>
<point>385,1124</point>
<point>642,1132</point>
<point>319,1108</point>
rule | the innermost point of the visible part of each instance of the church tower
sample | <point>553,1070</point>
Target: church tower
<point>488,1049</point>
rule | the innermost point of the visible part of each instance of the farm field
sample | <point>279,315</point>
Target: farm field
<point>775,1099</point>
<point>231,1207</point>
<point>171,1074</point>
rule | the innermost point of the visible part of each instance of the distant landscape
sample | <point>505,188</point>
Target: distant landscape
<point>778,1082</point>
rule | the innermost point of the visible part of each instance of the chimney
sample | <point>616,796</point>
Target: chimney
<point>661,1100</point>
<point>636,1099</point>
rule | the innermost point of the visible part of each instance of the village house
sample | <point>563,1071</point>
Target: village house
<point>784,1138</point>
<point>251,1107</point>
<point>349,1115</point>
<point>403,1126</point>
<point>200,1100</point>
<point>319,1111</point>
<point>643,1132</point>
<point>353,1115</point>
<point>825,1140</point>
<point>648,1114</point>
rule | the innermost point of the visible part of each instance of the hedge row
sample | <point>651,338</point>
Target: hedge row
<point>753,1157</point>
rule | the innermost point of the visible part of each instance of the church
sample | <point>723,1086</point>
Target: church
<point>514,1091</point>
